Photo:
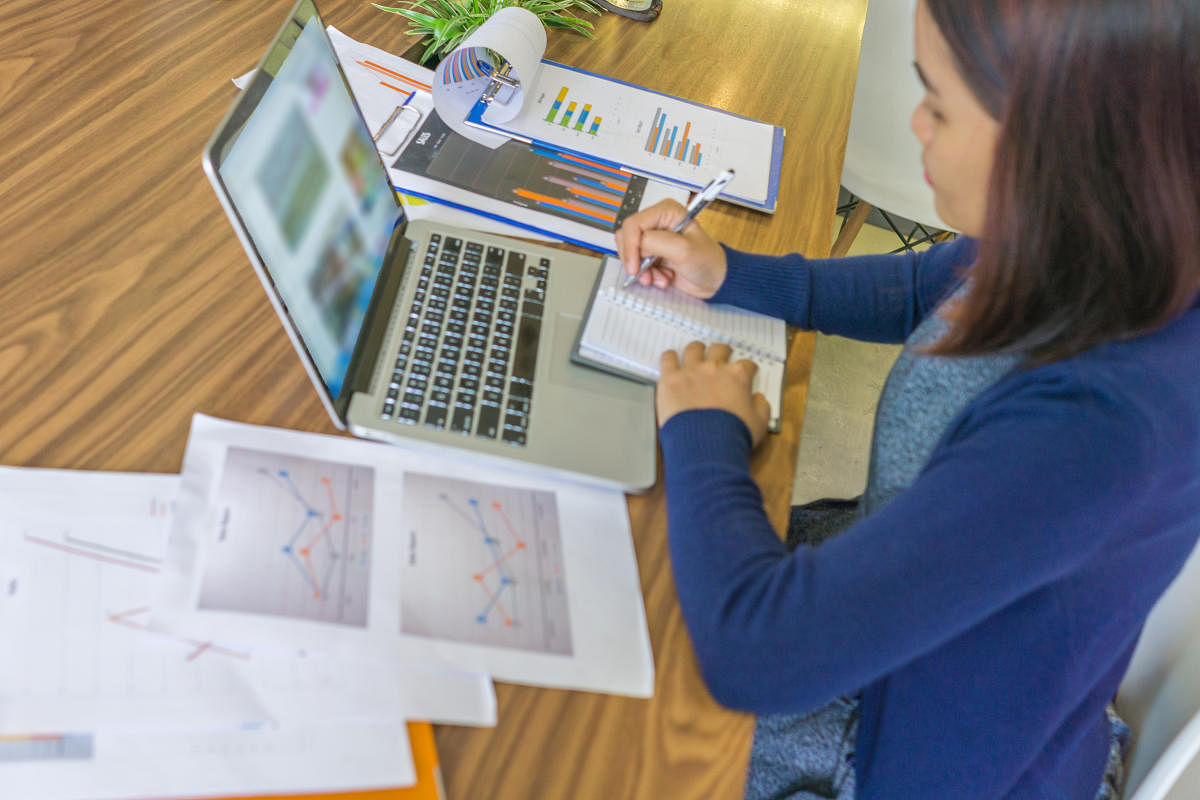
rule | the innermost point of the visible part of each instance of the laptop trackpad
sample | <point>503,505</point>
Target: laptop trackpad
<point>566,373</point>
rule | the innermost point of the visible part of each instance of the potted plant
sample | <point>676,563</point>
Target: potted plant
<point>444,24</point>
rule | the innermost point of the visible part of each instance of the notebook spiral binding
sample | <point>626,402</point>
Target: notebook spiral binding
<point>630,298</point>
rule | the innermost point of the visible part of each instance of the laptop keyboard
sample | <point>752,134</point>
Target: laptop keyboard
<point>467,357</point>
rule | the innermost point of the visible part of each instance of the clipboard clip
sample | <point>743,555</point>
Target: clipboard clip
<point>502,86</point>
<point>404,119</point>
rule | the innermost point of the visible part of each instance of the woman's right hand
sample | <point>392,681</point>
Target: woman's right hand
<point>690,260</point>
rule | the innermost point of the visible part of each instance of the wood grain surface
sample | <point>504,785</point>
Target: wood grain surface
<point>128,303</point>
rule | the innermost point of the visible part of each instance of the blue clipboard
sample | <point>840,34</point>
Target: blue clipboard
<point>775,158</point>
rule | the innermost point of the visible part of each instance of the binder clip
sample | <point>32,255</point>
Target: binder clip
<point>502,86</point>
<point>404,115</point>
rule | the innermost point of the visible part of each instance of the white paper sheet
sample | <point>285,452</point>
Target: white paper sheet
<point>651,133</point>
<point>382,83</point>
<point>518,37</point>
<point>256,760</point>
<point>80,555</point>
<point>570,109</point>
<point>299,540</point>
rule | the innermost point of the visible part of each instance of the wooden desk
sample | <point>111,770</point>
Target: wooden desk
<point>128,304</point>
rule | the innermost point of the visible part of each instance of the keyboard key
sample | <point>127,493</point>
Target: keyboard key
<point>461,420</point>
<point>489,421</point>
<point>435,416</point>
<point>525,361</point>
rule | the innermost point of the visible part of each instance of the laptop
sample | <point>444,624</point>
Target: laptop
<point>413,332</point>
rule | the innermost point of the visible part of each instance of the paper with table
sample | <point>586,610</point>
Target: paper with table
<point>550,194</point>
<point>571,110</point>
<point>287,540</point>
<point>121,765</point>
<point>626,330</point>
<point>94,703</point>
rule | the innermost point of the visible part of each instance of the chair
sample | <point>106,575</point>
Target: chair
<point>882,167</point>
<point>1160,695</point>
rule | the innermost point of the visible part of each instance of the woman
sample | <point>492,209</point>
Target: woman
<point>1035,474</point>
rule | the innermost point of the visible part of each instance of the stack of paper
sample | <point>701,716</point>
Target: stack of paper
<point>518,187</point>
<point>268,621</point>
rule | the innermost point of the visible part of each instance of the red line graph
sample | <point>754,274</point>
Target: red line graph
<point>479,575</point>
<point>79,551</point>
<point>494,600</point>
<point>126,620</point>
<point>382,70</point>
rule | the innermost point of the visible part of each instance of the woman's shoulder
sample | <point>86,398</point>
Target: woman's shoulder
<point>1142,391</point>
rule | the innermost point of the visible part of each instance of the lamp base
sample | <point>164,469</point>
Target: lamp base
<point>641,10</point>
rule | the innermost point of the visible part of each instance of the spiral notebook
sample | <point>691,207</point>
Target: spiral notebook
<point>625,332</point>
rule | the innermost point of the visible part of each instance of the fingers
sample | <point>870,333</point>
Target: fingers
<point>696,352</point>
<point>702,377</point>
<point>762,407</point>
<point>668,362</point>
<point>631,249</point>
<point>662,277</point>
<point>693,354</point>
<point>719,352</point>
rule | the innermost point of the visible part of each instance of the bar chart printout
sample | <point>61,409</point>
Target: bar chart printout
<point>484,564</point>
<point>46,747</point>
<point>561,184</point>
<point>646,132</point>
<point>666,139</point>
<point>293,538</point>
<point>566,117</point>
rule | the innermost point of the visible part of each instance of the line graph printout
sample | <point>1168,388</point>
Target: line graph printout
<point>294,538</point>
<point>79,557</point>
<point>537,584</point>
<point>484,564</point>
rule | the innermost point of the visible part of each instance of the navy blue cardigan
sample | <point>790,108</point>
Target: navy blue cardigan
<point>987,614</point>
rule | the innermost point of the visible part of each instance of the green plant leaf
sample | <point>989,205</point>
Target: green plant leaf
<point>444,24</point>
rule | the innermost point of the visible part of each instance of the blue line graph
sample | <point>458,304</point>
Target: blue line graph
<point>506,542</point>
<point>300,557</point>
<point>295,538</point>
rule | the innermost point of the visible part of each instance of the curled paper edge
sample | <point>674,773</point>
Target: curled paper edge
<point>519,37</point>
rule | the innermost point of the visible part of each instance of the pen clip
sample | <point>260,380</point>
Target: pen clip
<point>714,187</point>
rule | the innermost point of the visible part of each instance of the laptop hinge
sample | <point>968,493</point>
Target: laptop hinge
<point>374,327</point>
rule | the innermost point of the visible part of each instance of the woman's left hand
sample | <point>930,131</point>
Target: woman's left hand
<point>704,378</point>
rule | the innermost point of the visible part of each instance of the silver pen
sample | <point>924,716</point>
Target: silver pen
<point>697,204</point>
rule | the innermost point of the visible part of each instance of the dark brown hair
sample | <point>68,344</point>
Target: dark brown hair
<point>1093,215</point>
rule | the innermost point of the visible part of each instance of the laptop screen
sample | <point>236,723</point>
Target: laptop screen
<point>308,185</point>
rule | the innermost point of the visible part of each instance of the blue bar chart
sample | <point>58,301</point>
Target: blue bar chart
<point>667,140</point>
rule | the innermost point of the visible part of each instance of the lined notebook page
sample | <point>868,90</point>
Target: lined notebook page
<point>628,330</point>
<point>750,331</point>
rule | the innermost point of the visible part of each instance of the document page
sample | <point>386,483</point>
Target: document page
<point>81,554</point>
<point>286,539</point>
<point>516,185</point>
<point>254,760</point>
<point>651,133</point>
